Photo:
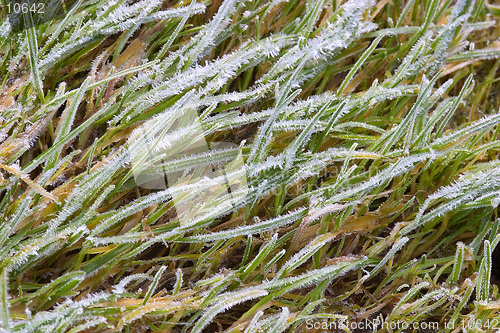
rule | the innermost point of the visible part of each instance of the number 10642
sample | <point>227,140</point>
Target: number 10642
<point>24,8</point>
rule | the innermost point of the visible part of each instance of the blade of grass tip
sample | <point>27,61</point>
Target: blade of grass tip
<point>457,264</point>
<point>65,123</point>
<point>257,152</point>
<point>143,156</point>
<point>272,261</point>
<point>217,285</point>
<point>495,242</point>
<point>33,56</point>
<point>303,255</point>
<point>406,125</point>
<point>92,119</point>
<point>475,128</point>
<point>16,172</point>
<point>409,294</point>
<point>343,170</point>
<point>259,259</point>
<point>71,93</point>
<point>247,251</point>
<point>430,13</point>
<point>104,88</point>
<point>91,156</point>
<point>178,281</point>
<point>154,284</point>
<point>209,33</point>
<point>468,84</point>
<point>176,32</point>
<point>483,279</point>
<point>62,25</point>
<point>305,27</point>
<point>4,302</point>
<point>280,324</point>
<point>124,39</point>
<point>226,303</point>
<point>334,118</point>
<point>252,327</point>
<point>396,247</point>
<point>299,142</point>
<point>359,63</point>
<point>405,11</point>
<point>283,97</point>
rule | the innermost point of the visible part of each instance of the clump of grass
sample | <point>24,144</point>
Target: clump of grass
<point>368,135</point>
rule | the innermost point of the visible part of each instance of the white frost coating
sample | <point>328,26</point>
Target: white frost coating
<point>195,192</point>
<point>5,28</point>
<point>468,188</point>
